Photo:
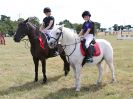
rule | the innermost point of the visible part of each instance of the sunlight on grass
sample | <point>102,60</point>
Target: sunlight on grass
<point>17,75</point>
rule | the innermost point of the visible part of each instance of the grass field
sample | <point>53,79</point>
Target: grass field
<point>17,75</point>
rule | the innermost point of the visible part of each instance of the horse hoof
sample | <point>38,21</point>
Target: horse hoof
<point>35,80</point>
<point>77,90</point>
<point>113,81</point>
<point>66,73</point>
<point>98,83</point>
<point>44,81</point>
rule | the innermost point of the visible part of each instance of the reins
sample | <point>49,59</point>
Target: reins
<point>26,41</point>
<point>57,40</point>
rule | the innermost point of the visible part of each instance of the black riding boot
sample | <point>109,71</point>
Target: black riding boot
<point>56,51</point>
<point>53,52</point>
<point>89,54</point>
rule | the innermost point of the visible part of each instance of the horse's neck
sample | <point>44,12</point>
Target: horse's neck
<point>32,35</point>
<point>70,38</point>
<point>71,42</point>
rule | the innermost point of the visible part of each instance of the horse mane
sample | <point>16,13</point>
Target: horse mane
<point>70,32</point>
<point>31,25</point>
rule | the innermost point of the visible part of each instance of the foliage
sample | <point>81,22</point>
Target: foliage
<point>7,26</point>
<point>77,26</point>
<point>97,26</point>
<point>34,20</point>
<point>128,26</point>
<point>117,27</point>
<point>102,29</point>
<point>66,23</point>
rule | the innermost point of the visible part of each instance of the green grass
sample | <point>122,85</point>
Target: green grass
<point>17,75</point>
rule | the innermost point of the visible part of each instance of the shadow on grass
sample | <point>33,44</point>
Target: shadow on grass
<point>68,93</point>
<point>28,86</point>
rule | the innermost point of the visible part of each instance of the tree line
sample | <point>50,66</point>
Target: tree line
<point>117,27</point>
<point>8,26</point>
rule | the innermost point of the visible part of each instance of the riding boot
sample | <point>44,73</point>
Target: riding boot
<point>91,53</point>
<point>89,57</point>
<point>83,44</point>
<point>55,51</point>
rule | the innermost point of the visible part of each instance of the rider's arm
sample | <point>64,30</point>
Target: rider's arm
<point>81,32</point>
<point>87,32</point>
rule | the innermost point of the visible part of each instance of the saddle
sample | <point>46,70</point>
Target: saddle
<point>43,45</point>
<point>92,49</point>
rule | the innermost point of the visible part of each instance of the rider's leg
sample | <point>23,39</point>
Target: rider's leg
<point>89,38</point>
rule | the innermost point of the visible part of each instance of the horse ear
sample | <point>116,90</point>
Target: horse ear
<point>26,20</point>
<point>61,27</point>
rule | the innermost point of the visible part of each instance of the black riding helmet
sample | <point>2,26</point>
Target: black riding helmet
<point>86,13</point>
<point>47,9</point>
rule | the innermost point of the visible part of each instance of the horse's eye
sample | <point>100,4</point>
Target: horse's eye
<point>57,33</point>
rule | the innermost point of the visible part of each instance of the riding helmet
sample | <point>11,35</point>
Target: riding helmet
<point>47,9</point>
<point>86,13</point>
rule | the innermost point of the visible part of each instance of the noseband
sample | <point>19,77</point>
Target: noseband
<point>57,40</point>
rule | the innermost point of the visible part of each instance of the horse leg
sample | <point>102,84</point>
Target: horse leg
<point>100,69</point>
<point>36,61</point>
<point>111,66</point>
<point>66,64</point>
<point>77,77</point>
<point>44,70</point>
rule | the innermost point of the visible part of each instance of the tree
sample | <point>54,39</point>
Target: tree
<point>66,23</point>
<point>4,18</point>
<point>9,27</point>
<point>20,19</point>
<point>97,26</point>
<point>115,27</point>
<point>128,26</point>
<point>77,27</point>
<point>35,21</point>
<point>102,29</point>
<point>6,25</point>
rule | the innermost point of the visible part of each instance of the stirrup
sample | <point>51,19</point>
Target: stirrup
<point>90,60</point>
<point>56,53</point>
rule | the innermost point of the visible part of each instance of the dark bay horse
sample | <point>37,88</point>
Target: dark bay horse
<point>37,52</point>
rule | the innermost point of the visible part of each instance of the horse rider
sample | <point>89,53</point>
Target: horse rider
<point>87,32</point>
<point>48,24</point>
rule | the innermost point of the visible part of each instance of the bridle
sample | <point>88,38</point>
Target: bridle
<point>26,41</point>
<point>64,46</point>
<point>57,39</point>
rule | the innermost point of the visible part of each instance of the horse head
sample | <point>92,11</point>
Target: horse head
<point>21,31</point>
<point>56,35</point>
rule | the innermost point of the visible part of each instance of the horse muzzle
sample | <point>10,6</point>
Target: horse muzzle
<point>16,39</point>
<point>51,44</point>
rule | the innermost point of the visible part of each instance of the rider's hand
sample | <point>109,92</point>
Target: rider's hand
<point>82,38</point>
